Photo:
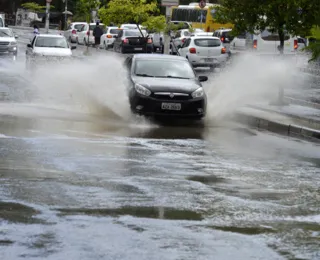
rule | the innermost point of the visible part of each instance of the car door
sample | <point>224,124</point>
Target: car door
<point>29,50</point>
<point>83,33</point>
<point>184,48</point>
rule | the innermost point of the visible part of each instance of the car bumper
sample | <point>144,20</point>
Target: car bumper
<point>137,48</point>
<point>148,106</point>
<point>109,41</point>
<point>208,61</point>
<point>12,50</point>
<point>73,38</point>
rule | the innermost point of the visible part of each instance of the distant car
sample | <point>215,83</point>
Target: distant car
<point>8,43</point>
<point>226,37</point>
<point>48,47</point>
<point>71,33</point>
<point>204,51</point>
<point>165,85</point>
<point>108,38</point>
<point>131,41</point>
<point>85,36</point>
<point>157,40</point>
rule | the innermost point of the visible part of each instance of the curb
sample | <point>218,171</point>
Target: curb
<point>315,72</point>
<point>310,121</point>
<point>277,127</point>
<point>301,102</point>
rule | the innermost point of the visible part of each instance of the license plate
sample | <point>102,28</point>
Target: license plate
<point>138,49</point>
<point>208,60</point>
<point>171,106</point>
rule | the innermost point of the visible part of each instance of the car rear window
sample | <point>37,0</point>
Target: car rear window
<point>78,26</point>
<point>207,42</point>
<point>272,36</point>
<point>114,31</point>
<point>134,33</point>
<point>91,27</point>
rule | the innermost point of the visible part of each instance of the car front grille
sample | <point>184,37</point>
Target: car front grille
<point>4,43</point>
<point>171,96</point>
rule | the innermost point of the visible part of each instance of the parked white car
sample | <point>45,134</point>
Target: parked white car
<point>204,51</point>
<point>87,30</point>
<point>8,43</point>
<point>71,33</point>
<point>48,47</point>
<point>267,42</point>
<point>107,39</point>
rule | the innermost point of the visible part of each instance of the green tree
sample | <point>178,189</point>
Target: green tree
<point>84,8</point>
<point>127,11</point>
<point>280,16</point>
<point>35,8</point>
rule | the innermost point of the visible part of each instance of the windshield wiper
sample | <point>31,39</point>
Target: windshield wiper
<point>144,75</point>
<point>174,77</point>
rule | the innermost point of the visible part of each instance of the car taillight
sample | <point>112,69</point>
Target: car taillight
<point>192,50</point>
<point>255,44</point>
<point>295,44</point>
<point>223,50</point>
<point>125,40</point>
<point>74,32</point>
<point>149,41</point>
<point>109,36</point>
<point>222,39</point>
<point>88,33</point>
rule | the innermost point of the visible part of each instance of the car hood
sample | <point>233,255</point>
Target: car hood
<point>168,84</point>
<point>52,51</point>
<point>7,39</point>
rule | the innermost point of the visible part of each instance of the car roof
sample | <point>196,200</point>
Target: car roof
<point>143,56</point>
<point>205,37</point>
<point>51,35</point>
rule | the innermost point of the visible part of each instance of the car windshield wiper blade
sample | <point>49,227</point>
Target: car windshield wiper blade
<point>144,75</point>
<point>174,77</point>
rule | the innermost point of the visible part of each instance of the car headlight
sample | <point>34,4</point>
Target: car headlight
<point>13,43</point>
<point>142,90</point>
<point>198,93</point>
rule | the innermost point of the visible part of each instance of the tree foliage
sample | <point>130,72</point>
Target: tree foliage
<point>128,11</point>
<point>295,17</point>
<point>84,8</point>
<point>34,7</point>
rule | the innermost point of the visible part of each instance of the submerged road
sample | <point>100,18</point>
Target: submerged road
<point>81,178</point>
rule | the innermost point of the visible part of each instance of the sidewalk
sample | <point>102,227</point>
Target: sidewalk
<point>291,120</point>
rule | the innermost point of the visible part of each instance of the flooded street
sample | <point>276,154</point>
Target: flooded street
<point>81,178</point>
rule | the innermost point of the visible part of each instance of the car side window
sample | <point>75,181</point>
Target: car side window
<point>186,43</point>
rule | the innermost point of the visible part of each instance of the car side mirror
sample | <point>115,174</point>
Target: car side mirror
<point>203,78</point>
<point>29,45</point>
<point>73,47</point>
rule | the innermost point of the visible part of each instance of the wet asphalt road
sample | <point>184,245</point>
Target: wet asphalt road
<point>80,178</point>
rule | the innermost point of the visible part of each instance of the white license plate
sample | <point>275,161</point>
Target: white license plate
<point>171,106</point>
<point>138,49</point>
<point>208,60</point>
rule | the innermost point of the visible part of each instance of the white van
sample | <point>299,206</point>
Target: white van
<point>267,42</point>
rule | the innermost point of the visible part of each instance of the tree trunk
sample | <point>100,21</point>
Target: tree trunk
<point>281,38</point>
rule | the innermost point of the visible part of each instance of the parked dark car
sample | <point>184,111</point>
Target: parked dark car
<point>132,41</point>
<point>165,85</point>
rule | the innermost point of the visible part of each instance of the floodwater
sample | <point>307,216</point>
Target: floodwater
<point>81,178</point>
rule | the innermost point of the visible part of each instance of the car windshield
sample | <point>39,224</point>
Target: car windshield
<point>134,33</point>
<point>6,33</point>
<point>164,68</point>
<point>207,42</point>
<point>51,42</point>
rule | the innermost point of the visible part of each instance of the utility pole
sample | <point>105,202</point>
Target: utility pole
<point>47,15</point>
<point>65,14</point>
<point>168,4</point>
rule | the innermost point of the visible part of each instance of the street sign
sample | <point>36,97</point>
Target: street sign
<point>202,4</point>
<point>169,2</point>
